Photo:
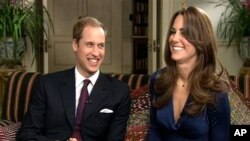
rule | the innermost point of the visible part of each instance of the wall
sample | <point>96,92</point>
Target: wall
<point>228,56</point>
<point>127,50</point>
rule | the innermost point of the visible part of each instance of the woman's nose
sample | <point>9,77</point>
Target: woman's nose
<point>176,37</point>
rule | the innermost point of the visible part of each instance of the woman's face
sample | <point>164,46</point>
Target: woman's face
<point>182,51</point>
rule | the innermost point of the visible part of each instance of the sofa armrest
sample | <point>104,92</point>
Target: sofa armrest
<point>17,95</point>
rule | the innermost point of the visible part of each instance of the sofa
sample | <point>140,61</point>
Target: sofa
<point>20,83</point>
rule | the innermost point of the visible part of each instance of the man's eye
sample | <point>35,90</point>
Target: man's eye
<point>89,44</point>
<point>101,46</point>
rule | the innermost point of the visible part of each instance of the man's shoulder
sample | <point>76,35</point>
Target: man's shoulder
<point>59,74</point>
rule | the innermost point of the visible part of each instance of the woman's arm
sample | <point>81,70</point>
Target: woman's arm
<point>154,133</point>
<point>219,119</point>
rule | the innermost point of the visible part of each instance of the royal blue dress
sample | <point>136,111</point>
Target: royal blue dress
<point>211,125</point>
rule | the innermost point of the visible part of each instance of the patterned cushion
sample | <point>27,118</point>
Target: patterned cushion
<point>8,132</point>
<point>137,133</point>
<point>240,114</point>
<point>4,123</point>
<point>240,111</point>
<point>139,115</point>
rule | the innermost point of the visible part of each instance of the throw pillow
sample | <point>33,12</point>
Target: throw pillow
<point>139,114</point>
<point>137,133</point>
<point>240,113</point>
<point>8,133</point>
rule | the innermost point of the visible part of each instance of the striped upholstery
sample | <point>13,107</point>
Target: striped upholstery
<point>243,83</point>
<point>17,95</point>
<point>19,87</point>
<point>20,84</point>
<point>133,80</point>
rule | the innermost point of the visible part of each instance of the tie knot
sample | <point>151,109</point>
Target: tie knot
<point>86,82</point>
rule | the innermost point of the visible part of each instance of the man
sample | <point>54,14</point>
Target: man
<point>53,107</point>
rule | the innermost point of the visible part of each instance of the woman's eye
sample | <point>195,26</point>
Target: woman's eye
<point>172,31</point>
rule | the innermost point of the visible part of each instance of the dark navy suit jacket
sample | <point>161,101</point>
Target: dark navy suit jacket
<point>51,113</point>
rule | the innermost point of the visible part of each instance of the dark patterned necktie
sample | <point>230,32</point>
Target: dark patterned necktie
<point>80,109</point>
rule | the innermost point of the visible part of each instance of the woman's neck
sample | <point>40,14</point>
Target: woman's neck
<point>183,74</point>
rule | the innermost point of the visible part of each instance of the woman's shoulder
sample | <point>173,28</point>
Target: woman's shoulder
<point>155,75</point>
<point>158,72</point>
<point>222,99</point>
<point>221,102</point>
<point>221,96</point>
<point>220,111</point>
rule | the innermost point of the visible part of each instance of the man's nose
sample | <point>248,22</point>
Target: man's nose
<point>95,50</point>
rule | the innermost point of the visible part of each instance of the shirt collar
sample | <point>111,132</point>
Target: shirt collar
<point>79,78</point>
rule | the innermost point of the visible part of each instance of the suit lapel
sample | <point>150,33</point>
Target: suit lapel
<point>98,94</point>
<point>67,91</point>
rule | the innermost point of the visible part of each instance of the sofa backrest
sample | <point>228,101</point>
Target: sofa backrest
<point>17,95</point>
<point>243,84</point>
<point>133,80</point>
<point>19,86</point>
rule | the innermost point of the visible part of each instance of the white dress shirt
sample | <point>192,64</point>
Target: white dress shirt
<point>79,83</point>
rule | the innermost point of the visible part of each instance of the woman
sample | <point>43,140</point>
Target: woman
<point>189,100</point>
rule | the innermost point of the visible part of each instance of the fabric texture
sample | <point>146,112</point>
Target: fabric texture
<point>80,110</point>
<point>204,126</point>
<point>240,112</point>
<point>243,84</point>
<point>17,95</point>
<point>55,95</point>
<point>133,80</point>
<point>8,132</point>
<point>137,127</point>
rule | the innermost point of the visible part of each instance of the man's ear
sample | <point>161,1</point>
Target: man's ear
<point>74,45</point>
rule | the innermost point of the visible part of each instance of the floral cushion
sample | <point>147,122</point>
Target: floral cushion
<point>240,112</point>
<point>137,133</point>
<point>139,115</point>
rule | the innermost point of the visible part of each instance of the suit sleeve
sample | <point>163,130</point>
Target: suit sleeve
<point>219,119</point>
<point>33,122</point>
<point>118,126</point>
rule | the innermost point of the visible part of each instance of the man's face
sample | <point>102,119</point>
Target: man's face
<point>90,50</point>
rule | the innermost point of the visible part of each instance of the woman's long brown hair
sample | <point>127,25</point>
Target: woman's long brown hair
<point>202,80</point>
